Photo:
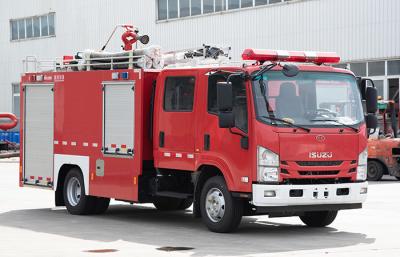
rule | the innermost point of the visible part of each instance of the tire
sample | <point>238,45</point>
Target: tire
<point>100,205</point>
<point>398,178</point>
<point>375,171</point>
<point>171,204</point>
<point>225,213</point>
<point>75,200</point>
<point>318,219</point>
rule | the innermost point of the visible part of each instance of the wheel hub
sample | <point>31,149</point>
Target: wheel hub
<point>215,204</point>
<point>74,191</point>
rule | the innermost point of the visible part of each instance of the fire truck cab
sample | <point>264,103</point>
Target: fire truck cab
<point>263,137</point>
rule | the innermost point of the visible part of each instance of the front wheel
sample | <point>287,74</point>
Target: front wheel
<point>220,211</point>
<point>318,218</point>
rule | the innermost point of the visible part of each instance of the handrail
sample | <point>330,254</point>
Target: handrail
<point>201,56</point>
<point>59,63</point>
<point>10,125</point>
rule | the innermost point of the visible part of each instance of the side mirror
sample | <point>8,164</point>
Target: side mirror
<point>224,96</point>
<point>371,97</point>
<point>371,121</point>
<point>225,105</point>
<point>226,119</point>
<point>362,86</point>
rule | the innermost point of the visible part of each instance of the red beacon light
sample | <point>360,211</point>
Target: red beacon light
<point>263,55</point>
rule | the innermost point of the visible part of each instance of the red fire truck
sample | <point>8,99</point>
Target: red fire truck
<point>281,134</point>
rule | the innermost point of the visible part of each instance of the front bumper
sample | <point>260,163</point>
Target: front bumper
<point>321,194</point>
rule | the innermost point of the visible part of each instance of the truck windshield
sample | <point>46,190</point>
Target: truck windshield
<point>315,99</point>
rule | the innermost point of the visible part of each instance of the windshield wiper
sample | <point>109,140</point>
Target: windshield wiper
<point>338,122</point>
<point>263,70</point>
<point>286,122</point>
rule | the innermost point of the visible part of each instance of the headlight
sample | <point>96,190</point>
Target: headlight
<point>362,165</point>
<point>267,174</point>
<point>268,165</point>
<point>267,157</point>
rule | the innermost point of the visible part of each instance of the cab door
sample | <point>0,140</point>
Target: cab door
<point>175,112</point>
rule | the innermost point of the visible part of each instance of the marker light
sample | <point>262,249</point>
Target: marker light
<point>39,77</point>
<point>290,56</point>
<point>124,75</point>
<point>115,75</point>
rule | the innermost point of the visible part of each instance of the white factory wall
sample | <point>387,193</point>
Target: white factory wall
<point>356,29</point>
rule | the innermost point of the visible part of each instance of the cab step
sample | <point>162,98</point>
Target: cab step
<point>173,194</point>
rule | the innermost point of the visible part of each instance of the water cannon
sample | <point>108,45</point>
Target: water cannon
<point>129,37</point>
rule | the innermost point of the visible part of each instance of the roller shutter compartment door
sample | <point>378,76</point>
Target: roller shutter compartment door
<point>38,135</point>
<point>118,118</point>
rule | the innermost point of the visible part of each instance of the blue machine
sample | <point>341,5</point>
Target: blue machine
<point>10,136</point>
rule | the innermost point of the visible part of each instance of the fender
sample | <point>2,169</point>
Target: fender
<point>221,165</point>
<point>81,161</point>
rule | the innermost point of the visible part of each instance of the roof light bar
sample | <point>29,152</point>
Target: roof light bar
<point>290,56</point>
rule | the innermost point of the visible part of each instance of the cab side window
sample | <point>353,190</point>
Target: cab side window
<point>212,92</point>
<point>179,94</point>
<point>239,99</point>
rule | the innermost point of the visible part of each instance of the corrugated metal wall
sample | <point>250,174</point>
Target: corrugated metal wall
<point>356,29</point>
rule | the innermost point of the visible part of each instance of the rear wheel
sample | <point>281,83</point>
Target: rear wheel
<point>171,204</point>
<point>220,211</point>
<point>375,170</point>
<point>318,218</point>
<point>100,205</point>
<point>76,201</point>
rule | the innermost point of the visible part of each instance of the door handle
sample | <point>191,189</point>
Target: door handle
<point>161,139</point>
<point>206,142</point>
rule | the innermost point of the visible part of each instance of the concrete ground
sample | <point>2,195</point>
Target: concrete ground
<point>30,226</point>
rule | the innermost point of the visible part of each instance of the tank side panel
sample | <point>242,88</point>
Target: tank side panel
<point>78,131</point>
